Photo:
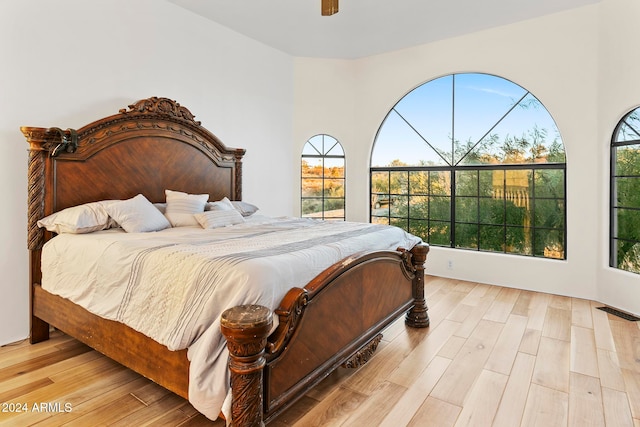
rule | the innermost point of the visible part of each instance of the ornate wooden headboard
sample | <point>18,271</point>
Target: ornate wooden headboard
<point>153,145</point>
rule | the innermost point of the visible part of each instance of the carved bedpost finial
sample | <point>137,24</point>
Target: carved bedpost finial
<point>166,106</point>
<point>246,329</point>
<point>417,317</point>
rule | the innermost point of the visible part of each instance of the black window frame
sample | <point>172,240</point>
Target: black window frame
<point>536,231</point>
<point>615,208</point>
<point>322,155</point>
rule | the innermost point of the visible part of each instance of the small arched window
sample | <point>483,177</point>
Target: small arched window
<point>625,194</point>
<point>323,179</point>
<point>472,161</point>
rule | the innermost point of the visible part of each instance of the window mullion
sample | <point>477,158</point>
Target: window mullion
<point>452,174</point>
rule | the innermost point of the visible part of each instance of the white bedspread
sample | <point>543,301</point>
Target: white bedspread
<point>174,284</point>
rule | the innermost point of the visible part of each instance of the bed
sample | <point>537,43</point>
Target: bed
<point>274,350</point>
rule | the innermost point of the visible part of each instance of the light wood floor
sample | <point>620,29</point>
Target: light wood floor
<point>492,357</point>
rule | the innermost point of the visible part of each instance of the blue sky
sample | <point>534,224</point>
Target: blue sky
<point>480,101</point>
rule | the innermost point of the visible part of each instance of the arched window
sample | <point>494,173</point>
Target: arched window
<point>472,161</point>
<point>323,178</point>
<point>625,194</point>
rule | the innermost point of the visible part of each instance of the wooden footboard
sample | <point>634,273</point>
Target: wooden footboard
<point>335,320</point>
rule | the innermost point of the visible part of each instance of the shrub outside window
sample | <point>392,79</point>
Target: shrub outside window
<point>323,179</point>
<point>625,194</point>
<point>472,161</point>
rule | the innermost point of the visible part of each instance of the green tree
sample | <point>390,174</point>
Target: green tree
<point>627,213</point>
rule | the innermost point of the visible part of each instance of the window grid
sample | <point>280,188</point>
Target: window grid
<point>323,178</point>
<point>386,213</point>
<point>624,252</point>
<point>496,172</point>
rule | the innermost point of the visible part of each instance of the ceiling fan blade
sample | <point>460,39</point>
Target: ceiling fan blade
<point>329,7</point>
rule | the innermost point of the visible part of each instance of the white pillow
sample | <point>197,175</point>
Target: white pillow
<point>79,219</point>
<point>215,219</point>
<point>220,205</point>
<point>137,215</point>
<point>181,207</point>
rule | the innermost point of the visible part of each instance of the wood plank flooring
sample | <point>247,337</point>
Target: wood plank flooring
<point>492,357</point>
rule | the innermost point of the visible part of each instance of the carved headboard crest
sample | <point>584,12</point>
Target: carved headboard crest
<point>161,106</point>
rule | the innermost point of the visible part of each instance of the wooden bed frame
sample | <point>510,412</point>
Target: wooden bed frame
<point>156,144</point>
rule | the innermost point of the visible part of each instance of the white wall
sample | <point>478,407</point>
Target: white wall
<point>557,59</point>
<point>325,104</point>
<point>619,94</point>
<point>69,62</point>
